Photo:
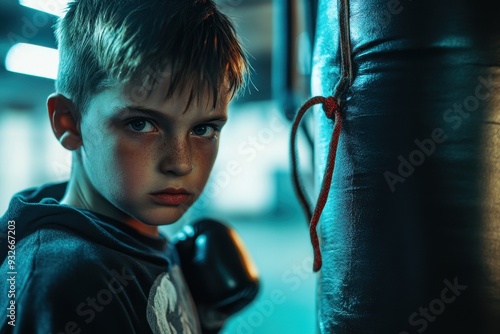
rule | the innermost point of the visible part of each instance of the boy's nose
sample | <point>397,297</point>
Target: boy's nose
<point>177,158</point>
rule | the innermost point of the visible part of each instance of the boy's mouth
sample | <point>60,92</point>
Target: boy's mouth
<point>171,196</point>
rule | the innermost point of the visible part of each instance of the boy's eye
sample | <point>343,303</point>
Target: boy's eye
<point>141,125</point>
<point>204,130</point>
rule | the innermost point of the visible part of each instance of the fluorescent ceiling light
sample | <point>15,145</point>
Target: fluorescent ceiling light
<point>33,60</point>
<point>54,7</point>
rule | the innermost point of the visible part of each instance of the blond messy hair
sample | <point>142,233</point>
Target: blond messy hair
<point>103,42</point>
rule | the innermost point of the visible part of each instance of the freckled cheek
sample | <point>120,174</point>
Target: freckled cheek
<point>204,157</point>
<point>134,163</point>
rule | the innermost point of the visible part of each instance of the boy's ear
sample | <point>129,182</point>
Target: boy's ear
<point>64,125</point>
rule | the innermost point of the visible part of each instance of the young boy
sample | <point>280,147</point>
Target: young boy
<point>142,96</point>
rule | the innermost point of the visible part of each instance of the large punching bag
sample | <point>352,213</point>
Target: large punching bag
<point>410,233</point>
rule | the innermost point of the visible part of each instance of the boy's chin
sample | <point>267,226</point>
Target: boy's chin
<point>162,216</point>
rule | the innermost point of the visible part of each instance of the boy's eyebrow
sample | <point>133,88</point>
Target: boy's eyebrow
<point>159,115</point>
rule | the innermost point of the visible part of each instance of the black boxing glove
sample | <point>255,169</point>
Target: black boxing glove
<point>218,270</point>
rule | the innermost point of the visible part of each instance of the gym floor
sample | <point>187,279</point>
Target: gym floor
<point>283,257</point>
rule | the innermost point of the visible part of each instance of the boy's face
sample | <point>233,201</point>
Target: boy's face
<point>148,159</point>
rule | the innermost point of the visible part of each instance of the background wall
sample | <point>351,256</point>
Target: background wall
<point>250,187</point>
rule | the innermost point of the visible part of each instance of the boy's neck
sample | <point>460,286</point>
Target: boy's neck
<point>75,196</point>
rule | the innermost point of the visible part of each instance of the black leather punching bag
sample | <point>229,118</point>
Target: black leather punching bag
<point>410,235</point>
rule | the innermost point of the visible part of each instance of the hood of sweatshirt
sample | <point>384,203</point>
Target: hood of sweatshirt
<point>38,208</point>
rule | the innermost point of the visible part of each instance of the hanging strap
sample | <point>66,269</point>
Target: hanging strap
<point>332,111</point>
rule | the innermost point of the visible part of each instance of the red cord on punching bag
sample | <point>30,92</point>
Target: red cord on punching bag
<point>331,109</point>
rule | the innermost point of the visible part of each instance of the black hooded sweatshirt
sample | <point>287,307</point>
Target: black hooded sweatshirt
<point>67,270</point>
